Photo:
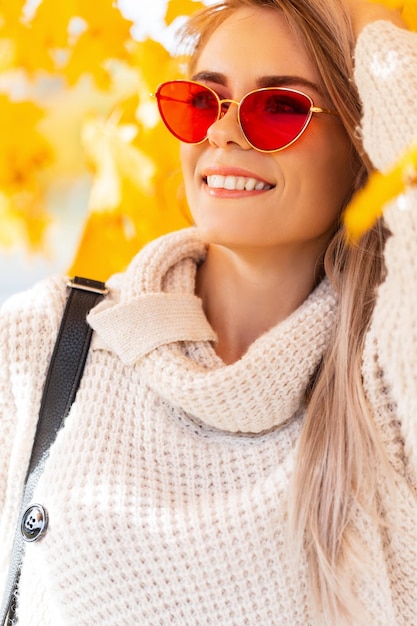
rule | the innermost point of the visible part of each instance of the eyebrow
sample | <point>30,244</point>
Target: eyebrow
<point>262,81</point>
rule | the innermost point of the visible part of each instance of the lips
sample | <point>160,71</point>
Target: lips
<point>233,180</point>
<point>236,183</point>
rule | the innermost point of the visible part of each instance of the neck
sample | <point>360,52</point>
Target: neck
<point>246,293</point>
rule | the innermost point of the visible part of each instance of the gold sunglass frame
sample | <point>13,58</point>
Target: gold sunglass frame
<point>221,113</point>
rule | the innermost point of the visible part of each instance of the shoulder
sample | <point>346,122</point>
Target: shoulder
<point>44,299</point>
<point>30,319</point>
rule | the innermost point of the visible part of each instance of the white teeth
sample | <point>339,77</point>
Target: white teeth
<point>250,184</point>
<point>239,183</point>
<point>216,181</point>
<point>229,182</point>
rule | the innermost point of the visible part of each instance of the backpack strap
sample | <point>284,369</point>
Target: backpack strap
<point>61,385</point>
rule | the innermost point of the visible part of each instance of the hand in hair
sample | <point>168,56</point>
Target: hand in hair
<point>364,12</point>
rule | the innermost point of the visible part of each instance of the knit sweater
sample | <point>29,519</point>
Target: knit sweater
<point>167,488</point>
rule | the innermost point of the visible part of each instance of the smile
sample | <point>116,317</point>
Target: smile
<point>236,183</point>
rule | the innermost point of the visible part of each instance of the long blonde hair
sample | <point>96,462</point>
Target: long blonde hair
<point>338,448</point>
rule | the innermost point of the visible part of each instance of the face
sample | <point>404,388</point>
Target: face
<point>290,198</point>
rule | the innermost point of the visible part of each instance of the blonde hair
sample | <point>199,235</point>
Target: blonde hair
<point>338,448</point>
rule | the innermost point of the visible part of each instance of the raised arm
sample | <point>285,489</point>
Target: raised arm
<point>386,75</point>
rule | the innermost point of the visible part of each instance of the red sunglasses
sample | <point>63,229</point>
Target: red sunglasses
<point>271,119</point>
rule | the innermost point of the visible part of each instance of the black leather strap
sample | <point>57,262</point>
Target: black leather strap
<point>62,381</point>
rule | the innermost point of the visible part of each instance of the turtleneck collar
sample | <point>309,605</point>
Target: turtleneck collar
<point>153,320</point>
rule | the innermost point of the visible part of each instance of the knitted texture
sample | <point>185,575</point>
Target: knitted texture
<point>167,488</point>
<point>194,383</point>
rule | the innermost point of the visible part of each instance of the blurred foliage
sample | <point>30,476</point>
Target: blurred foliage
<point>368,204</point>
<point>75,100</point>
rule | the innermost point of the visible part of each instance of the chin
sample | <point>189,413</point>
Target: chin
<point>222,237</point>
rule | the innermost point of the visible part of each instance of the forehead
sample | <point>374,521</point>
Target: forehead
<point>254,42</point>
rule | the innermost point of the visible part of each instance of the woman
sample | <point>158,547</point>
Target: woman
<point>243,447</point>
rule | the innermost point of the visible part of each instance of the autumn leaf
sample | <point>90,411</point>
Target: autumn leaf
<point>391,4</point>
<point>12,227</point>
<point>23,150</point>
<point>11,13</point>
<point>23,219</point>
<point>35,218</point>
<point>408,10</point>
<point>137,185</point>
<point>105,24</point>
<point>104,248</point>
<point>410,13</point>
<point>51,22</point>
<point>154,64</point>
<point>368,204</point>
<point>65,111</point>
<point>105,37</point>
<point>136,188</point>
<point>24,156</point>
<point>38,38</point>
<point>70,37</point>
<point>110,240</point>
<point>113,158</point>
<point>177,8</point>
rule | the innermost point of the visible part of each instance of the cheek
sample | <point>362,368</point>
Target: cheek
<point>188,159</point>
<point>341,175</point>
<point>188,156</point>
<point>332,169</point>
<point>318,179</point>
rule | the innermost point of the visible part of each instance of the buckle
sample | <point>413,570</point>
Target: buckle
<point>87,284</point>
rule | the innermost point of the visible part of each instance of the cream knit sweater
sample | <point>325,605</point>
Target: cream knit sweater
<point>167,487</point>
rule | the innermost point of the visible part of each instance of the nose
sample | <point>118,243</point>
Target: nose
<point>226,131</point>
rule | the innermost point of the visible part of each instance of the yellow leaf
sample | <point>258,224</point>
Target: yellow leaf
<point>106,23</point>
<point>410,13</point>
<point>391,4</point>
<point>408,10</point>
<point>51,22</point>
<point>30,52</point>
<point>37,40</point>
<point>23,150</point>
<point>7,55</point>
<point>36,220</point>
<point>154,63</point>
<point>23,220</point>
<point>136,192</point>
<point>88,57</point>
<point>105,37</point>
<point>104,249</point>
<point>114,159</point>
<point>24,157</point>
<point>368,204</point>
<point>65,114</point>
<point>71,36</point>
<point>11,230</point>
<point>10,15</point>
<point>110,240</point>
<point>181,7</point>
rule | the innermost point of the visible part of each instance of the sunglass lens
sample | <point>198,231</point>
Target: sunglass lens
<point>187,109</point>
<point>273,118</point>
